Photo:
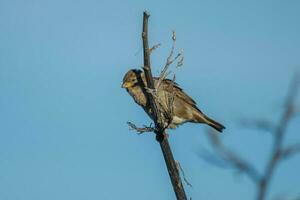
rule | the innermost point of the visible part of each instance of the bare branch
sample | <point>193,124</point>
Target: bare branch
<point>158,120</point>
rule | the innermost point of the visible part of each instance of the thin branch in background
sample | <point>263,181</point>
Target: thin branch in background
<point>279,152</point>
<point>283,197</point>
<point>279,133</point>
<point>212,159</point>
<point>261,124</point>
<point>290,151</point>
<point>232,159</point>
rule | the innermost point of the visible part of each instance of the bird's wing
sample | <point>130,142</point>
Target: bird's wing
<point>170,86</point>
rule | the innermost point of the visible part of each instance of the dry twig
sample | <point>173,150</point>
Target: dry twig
<point>144,129</point>
<point>164,73</point>
<point>154,48</point>
<point>183,174</point>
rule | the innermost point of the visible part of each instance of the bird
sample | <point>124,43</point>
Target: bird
<point>184,108</point>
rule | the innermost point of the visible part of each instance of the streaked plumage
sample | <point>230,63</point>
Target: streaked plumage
<point>184,107</point>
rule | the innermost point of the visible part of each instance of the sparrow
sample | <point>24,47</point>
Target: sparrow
<point>184,108</point>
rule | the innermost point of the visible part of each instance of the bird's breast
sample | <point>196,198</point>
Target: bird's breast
<point>178,120</point>
<point>138,96</point>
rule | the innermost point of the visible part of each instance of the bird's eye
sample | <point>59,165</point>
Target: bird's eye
<point>132,80</point>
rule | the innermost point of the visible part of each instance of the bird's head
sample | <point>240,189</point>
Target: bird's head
<point>131,78</point>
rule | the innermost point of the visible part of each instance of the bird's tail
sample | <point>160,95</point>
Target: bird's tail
<point>201,118</point>
<point>216,125</point>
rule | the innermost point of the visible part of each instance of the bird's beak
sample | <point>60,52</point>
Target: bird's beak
<point>125,85</point>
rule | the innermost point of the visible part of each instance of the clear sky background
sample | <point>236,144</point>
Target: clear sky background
<point>63,114</point>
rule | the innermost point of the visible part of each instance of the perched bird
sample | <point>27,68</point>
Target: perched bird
<point>184,108</point>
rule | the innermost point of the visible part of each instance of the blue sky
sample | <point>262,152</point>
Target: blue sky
<point>63,132</point>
